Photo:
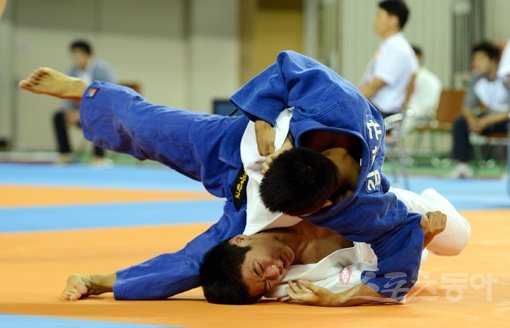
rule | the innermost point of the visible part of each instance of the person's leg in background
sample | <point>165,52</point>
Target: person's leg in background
<point>462,149</point>
<point>497,127</point>
<point>494,128</point>
<point>100,158</point>
<point>62,137</point>
<point>98,152</point>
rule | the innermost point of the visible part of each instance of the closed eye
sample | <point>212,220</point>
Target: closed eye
<point>261,270</point>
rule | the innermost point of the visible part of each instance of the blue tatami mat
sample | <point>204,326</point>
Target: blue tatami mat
<point>25,321</point>
<point>75,175</point>
<point>105,216</point>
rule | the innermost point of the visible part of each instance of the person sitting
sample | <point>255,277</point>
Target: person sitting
<point>425,97</point>
<point>88,68</point>
<point>486,106</point>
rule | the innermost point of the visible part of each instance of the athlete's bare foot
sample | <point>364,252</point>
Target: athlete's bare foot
<point>48,81</point>
<point>80,286</point>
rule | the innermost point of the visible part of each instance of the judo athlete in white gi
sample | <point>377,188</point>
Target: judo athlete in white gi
<point>339,262</point>
<point>337,125</point>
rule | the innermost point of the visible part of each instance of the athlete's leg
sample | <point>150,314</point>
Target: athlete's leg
<point>457,232</point>
<point>119,119</point>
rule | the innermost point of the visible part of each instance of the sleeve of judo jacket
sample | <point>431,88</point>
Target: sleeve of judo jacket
<point>294,80</point>
<point>173,273</point>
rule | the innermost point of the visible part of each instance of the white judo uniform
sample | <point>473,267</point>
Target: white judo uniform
<point>342,269</point>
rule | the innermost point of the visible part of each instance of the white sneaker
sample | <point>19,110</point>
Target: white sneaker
<point>462,171</point>
<point>103,162</point>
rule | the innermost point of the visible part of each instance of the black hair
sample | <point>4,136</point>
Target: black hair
<point>490,49</point>
<point>298,182</point>
<point>396,8</point>
<point>220,275</point>
<point>82,46</point>
<point>417,50</point>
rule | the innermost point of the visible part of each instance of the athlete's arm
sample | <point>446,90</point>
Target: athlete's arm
<point>305,292</point>
<point>294,80</point>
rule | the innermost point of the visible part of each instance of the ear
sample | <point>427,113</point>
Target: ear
<point>240,240</point>
<point>395,21</point>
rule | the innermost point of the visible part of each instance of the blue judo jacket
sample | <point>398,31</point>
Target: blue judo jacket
<point>119,119</point>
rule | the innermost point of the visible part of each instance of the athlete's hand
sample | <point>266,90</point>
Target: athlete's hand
<point>269,160</point>
<point>265,137</point>
<point>304,292</point>
<point>288,144</point>
<point>432,224</point>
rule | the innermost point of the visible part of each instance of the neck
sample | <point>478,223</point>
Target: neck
<point>346,168</point>
<point>294,237</point>
<point>389,33</point>
<point>309,243</point>
<point>492,74</point>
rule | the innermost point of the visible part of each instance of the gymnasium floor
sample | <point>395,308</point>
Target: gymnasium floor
<point>56,220</point>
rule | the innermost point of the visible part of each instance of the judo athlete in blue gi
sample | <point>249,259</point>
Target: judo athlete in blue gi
<point>206,148</point>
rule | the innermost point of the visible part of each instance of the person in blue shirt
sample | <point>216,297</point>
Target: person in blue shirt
<point>206,148</point>
<point>88,68</point>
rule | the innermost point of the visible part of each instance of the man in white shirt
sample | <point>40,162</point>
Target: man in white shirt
<point>425,98</point>
<point>389,76</point>
<point>486,105</point>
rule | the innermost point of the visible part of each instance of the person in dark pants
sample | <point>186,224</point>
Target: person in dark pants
<point>486,106</point>
<point>88,68</point>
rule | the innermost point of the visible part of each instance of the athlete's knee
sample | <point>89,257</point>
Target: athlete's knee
<point>454,239</point>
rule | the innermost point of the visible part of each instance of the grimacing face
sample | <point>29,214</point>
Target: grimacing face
<point>265,264</point>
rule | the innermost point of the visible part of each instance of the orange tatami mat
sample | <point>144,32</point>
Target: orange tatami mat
<point>469,290</point>
<point>17,196</point>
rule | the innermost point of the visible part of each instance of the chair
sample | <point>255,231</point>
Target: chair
<point>493,140</point>
<point>225,108</point>
<point>448,110</point>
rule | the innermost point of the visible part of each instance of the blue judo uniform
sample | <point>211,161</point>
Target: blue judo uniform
<point>207,148</point>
